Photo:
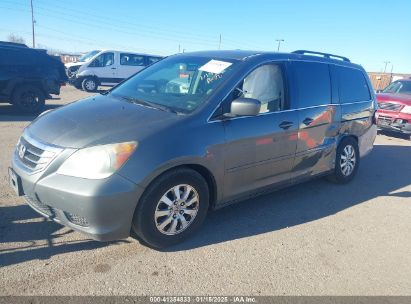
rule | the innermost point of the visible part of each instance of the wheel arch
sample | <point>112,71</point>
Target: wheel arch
<point>18,84</point>
<point>200,169</point>
<point>344,136</point>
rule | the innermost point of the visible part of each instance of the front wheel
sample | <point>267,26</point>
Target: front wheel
<point>89,84</point>
<point>173,208</point>
<point>347,161</point>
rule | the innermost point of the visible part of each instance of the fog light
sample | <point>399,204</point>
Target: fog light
<point>76,219</point>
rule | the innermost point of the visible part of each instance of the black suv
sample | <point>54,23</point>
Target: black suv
<point>28,76</point>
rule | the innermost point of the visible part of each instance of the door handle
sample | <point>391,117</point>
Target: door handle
<point>285,125</point>
<point>308,121</point>
<point>113,68</point>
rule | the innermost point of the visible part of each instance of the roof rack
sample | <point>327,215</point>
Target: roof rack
<point>325,55</point>
<point>6,43</point>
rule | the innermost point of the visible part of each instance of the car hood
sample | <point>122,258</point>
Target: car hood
<point>71,64</point>
<point>400,98</point>
<point>97,120</point>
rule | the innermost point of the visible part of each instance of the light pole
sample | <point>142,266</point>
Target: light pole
<point>32,23</point>
<point>279,43</point>
<point>386,63</point>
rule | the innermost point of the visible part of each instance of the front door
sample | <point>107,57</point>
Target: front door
<point>104,67</point>
<point>259,150</point>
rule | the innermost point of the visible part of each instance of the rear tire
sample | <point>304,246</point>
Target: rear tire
<point>89,84</point>
<point>162,217</point>
<point>28,99</point>
<point>347,161</point>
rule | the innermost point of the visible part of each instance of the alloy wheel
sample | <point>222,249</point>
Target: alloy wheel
<point>177,209</point>
<point>348,160</point>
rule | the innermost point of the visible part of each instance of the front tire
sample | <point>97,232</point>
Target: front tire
<point>172,209</point>
<point>28,99</point>
<point>89,84</point>
<point>347,161</point>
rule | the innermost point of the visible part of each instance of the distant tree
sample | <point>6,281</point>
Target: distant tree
<point>16,39</point>
<point>50,51</point>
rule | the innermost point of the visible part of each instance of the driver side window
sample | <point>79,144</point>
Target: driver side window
<point>265,84</point>
<point>103,60</point>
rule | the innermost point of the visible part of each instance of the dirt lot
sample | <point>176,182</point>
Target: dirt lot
<point>314,239</point>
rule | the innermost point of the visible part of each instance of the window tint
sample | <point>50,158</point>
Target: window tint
<point>265,84</point>
<point>352,85</point>
<point>312,82</point>
<point>103,60</point>
<point>132,59</point>
<point>151,60</point>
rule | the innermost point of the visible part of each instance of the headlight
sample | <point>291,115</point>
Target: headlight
<point>406,109</point>
<point>97,162</point>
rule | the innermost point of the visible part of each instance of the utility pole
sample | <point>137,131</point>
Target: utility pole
<point>219,43</point>
<point>32,23</point>
<point>279,43</point>
<point>386,63</point>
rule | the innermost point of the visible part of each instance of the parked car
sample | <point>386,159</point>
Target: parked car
<point>192,132</point>
<point>394,102</point>
<point>107,68</point>
<point>28,76</point>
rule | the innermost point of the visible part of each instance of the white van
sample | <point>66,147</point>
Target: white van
<point>107,67</point>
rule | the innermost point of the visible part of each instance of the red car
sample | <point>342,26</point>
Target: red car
<point>394,107</point>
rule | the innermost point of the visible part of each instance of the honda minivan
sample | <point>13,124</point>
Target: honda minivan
<point>106,67</point>
<point>194,132</point>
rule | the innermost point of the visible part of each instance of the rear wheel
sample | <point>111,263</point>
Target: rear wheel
<point>173,208</point>
<point>28,99</point>
<point>89,84</point>
<point>347,161</point>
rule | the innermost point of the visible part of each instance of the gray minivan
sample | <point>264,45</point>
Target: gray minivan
<point>193,132</point>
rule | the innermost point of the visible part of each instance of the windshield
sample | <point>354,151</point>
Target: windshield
<point>179,83</point>
<point>401,87</point>
<point>88,56</point>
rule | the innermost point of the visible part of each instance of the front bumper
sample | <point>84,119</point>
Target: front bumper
<point>75,81</point>
<point>102,209</point>
<point>395,123</point>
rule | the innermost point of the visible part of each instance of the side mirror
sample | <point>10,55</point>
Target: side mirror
<point>245,107</point>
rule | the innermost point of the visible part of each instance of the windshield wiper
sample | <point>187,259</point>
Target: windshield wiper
<point>150,104</point>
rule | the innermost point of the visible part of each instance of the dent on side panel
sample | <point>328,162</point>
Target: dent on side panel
<point>317,141</point>
<point>356,117</point>
<point>357,121</point>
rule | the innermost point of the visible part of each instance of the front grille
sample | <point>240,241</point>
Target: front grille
<point>384,120</point>
<point>389,106</point>
<point>39,206</point>
<point>34,155</point>
<point>76,219</point>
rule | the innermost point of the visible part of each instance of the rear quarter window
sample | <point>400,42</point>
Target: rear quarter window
<point>352,85</point>
<point>312,84</point>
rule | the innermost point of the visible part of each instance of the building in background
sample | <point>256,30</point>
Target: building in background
<point>67,58</point>
<point>382,80</point>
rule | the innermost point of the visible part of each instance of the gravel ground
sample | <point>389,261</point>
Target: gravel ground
<point>313,239</point>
